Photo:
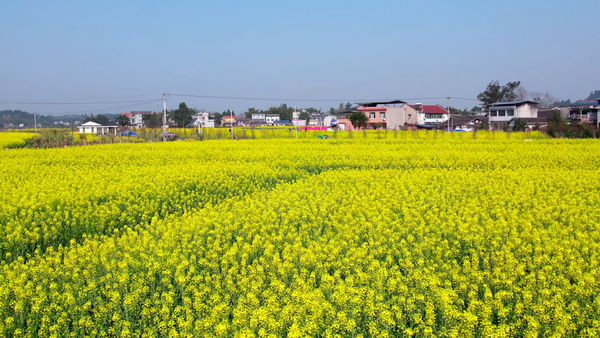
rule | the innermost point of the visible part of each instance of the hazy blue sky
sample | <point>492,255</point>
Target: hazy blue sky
<point>116,50</point>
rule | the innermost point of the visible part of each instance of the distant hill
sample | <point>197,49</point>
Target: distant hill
<point>593,97</point>
<point>23,119</point>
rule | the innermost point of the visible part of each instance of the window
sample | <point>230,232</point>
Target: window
<point>510,113</point>
<point>372,115</point>
<point>381,115</point>
<point>493,113</point>
<point>501,112</point>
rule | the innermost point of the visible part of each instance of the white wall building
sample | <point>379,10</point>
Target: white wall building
<point>502,112</point>
<point>203,120</point>
<point>136,118</point>
<point>109,128</point>
<point>299,122</point>
<point>259,117</point>
<point>271,118</point>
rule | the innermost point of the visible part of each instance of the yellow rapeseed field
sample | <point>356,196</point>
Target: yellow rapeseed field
<point>405,235</point>
<point>14,140</point>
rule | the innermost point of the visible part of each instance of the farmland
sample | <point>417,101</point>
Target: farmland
<point>381,235</point>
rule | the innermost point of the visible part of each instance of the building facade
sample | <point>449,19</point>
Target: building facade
<point>500,113</point>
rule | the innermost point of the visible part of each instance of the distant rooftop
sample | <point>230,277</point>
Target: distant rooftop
<point>513,103</point>
<point>375,103</point>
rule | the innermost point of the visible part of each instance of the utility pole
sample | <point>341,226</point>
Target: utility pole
<point>72,133</point>
<point>35,123</point>
<point>449,114</point>
<point>164,117</point>
<point>231,119</point>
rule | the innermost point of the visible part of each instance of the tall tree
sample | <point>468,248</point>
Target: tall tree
<point>218,118</point>
<point>521,93</point>
<point>358,119</point>
<point>496,93</point>
<point>182,116</point>
<point>304,115</point>
<point>154,120</point>
<point>251,111</point>
<point>122,120</point>
<point>546,100</point>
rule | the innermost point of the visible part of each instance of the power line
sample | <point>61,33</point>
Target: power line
<point>103,109</point>
<point>308,100</point>
<point>69,103</point>
<point>267,98</point>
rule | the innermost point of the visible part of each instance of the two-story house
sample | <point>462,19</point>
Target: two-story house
<point>390,115</point>
<point>259,118</point>
<point>500,113</point>
<point>271,118</point>
<point>136,118</point>
<point>203,120</point>
<point>428,114</point>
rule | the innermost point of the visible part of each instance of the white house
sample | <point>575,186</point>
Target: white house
<point>259,117</point>
<point>203,120</point>
<point>430,114</point>
<point>502,112</point>
<point>299,122</point>
<point>271,118</point>
<point>136,118</point>
<point>109,128</point>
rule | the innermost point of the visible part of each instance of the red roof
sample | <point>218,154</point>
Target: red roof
<point>431,109</point>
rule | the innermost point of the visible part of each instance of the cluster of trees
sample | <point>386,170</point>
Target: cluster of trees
<point>514,91</point>
<point>285,112</point>
<point>17,117</point>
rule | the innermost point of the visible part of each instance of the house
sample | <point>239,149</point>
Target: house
<point>203,120</point>
<point>313,122</point>
<point>502,112</point>
<point>108,128</point>
<point>136,118</point>
<point>393,114</point>
<point>299,122</point>
<point>271,118</point>
<point>428,114</point>
<point>228,120</point>
<point>460,122</point>
<point>243,121</point>
<point>259,117</point>
<point>584,112</point>
<point>281,123</point>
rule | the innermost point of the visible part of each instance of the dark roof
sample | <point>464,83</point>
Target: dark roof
<point>512,103</point>
<point>529,120</point>
<point>375,103</point>
<point>545,113</point>
<point>109,124</point>
<point>281,122</point>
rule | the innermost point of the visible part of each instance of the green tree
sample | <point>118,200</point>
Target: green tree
<point>96,118</point>
<point>358,119</point>
<point>182,116</point>
<point>218,118</point>
<point>154,120</point>
<point>556,124</point>
<point>496,93</point>
<point>520,125</point>
<point>122,120</point>
<point>304,115</point>
<point>251,111</point>
<point>458,111</point>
